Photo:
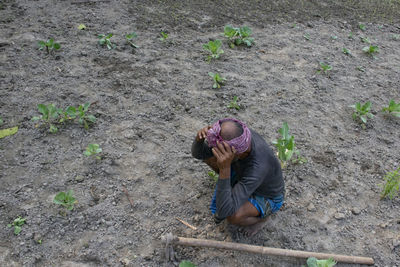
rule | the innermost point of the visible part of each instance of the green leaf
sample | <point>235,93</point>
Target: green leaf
<point>363,119</point>
<point>91,118</point>
<point>81,27</point>
<point>53,128</point>
<point>8,132</point>
<point>130,36</point>
<point>59,198</point>
<point>43,109</point>
<point>86,106</point>
<point>87,153</point>
<point>17,229</point>
<point>57,46</point>
<point>186,263</point>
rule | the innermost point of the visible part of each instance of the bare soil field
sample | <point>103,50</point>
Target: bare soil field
<point>150,101</point>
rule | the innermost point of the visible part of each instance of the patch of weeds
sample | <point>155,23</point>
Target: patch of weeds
<point>213,175</point>
<point>307,36</point>
<point>314,262</point>
<point>81,27</point>
<point>105,40</point>
<point>362,27</point>
<point>84,118</point>
<point>234,104</point>
<point>392,184</point>
<point>324,68</point>
<point>186,263</point>
<point>362,112</point>
<point>393,108</point>
<point>365,40</point>
<point>50,115</point>
<point>396,37</point>
<point>371,50</point>
<point>218,79</point>
<point>93,150</point>
<point>214,49</point>
<point>286,147</point>
<point>238,36</point>
<point>17,223</point>
<point>361,68</point>
<point>129,38</point>
<point>164,36</point>
<point>49,45</point>
<point>65,199</point>
<point>346,51</point>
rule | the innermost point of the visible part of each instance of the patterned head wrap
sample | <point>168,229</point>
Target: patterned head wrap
<point>240,143</point>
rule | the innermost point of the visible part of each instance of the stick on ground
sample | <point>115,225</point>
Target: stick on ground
<point>187,224</point>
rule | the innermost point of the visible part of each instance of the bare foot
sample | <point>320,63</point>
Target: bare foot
<point>251,230</point>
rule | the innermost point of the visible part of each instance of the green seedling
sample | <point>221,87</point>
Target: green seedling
<point>371,50</point>
<point>346,51</point>
<point>218,79</point>
<point>164,36</point>
<point>324,68</point>
<point>105,40</point>
<point>314,262</point>
<point>392,184</point>
<point>238,36</point>
<point>50,115</point>
<point>360,68</point>
<point>234,104</point>
<point>365,40</point>
<point>129,38</point>
<point>84,118</point>
<point>81,27</point>
<point>50,45</point>
<point>67,200</point>
<point>286,147</point>
<point>362,112</point>
<point>214,48</point>
<point>393,108</point>
<point>334,37</point>
<point>350,35</point>
<point>186,263</point>
<point>17,223</point>
<point>307,36</point>
<point>93,150</point>
<point>213,175</point>
<point>362,27</point>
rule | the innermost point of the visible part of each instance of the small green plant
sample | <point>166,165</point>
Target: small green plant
<point>93,150</point>
<point>286,147</point>
<point>238,36</point>
<point>218,79</point>
<point>84,118</point>
<point>214,48</point>
<point>361,68</point>
<point>164,36</point>
<point>307,36</point>
<point>362,27</point>
<point>393,108</point>
<point>346,51</point>
<point>129,38</point>
<point>50,45</point>
<point>65,199</point>
<point>365,40</point>
<point>350,36</point>
<point>324,68</point>
<point>213,175</point>
<point>81,27</point>
<point>392,184</point>
<point>105,40</point>
<point>234,104</point>
<point>50,115</point>
<point>17,223</point>
<point>186,263</point>
<point>314,262</point>
<point>333,37</point>
<point>371,50</point>
<point>362,112</point>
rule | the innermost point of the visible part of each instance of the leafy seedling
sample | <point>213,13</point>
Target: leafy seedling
<point>314,262</point>
<point>365,40</point>
<point>186,263</point>
<point>213,175</point>
<point>214,49</point>
<point>105,40</point>
<point>93,150</point>
<point>129,38</point>
<point>81,27</point>
<point>50,45</point>
<point>371,50</point>
<point>393,108</point>
<point>164,36</point>
<point>362,27</point>
<point>84,118</point>
<point>50,115</point>
<point>17,223</point>
<point>218,79</point>
<point>286,147</point>
<point>362,112</point>
<point>238,36</point>
<point>234,104</point>
<point>324,68</point>
<point>346,51</point>
<point>67,200</point>
<point>392,184</point>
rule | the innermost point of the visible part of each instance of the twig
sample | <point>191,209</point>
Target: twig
<point>127,195</point>
<point>187,224</point>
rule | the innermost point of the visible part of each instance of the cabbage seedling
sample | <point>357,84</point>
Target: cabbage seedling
<point>218,79</point>
<point>324,67</point>
<point>164,36</point>
<point>286,147</point>
<point>393,108</point>
<point>17,223</point>
<point>362,27</point>
<point>346,51</point>
<point>104,40</point>
<point>362,112</point>
<point>213,175</point>
<point>93,150</point>
<point>129,38</point>
<point>392,184</point>
<point>50,45</point>
<point>234,104</point>
<point>371,50</point>
<point>313,262</point>
<point>84,118</point>
<point>365,40</point>
<point>214,48</point>
<point>238,36</point>
<point>50,115</point>
<point>66,200</point>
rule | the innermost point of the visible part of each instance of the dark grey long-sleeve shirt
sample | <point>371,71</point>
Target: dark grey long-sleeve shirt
<point>258,174</point>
